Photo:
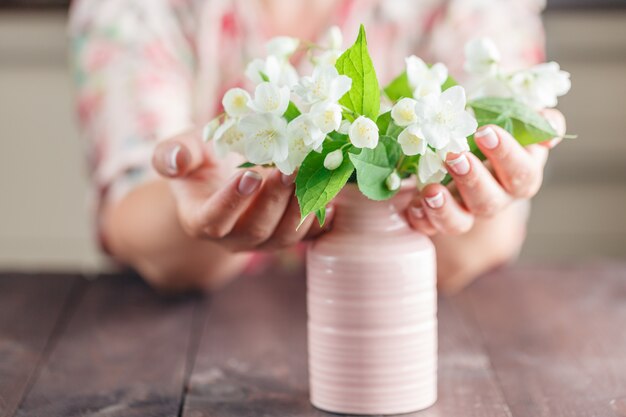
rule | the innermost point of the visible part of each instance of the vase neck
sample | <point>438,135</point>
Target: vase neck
<point>358,214</point>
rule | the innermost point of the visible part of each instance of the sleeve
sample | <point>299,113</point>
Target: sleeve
<point>133,63</point>
<point>514,25</point>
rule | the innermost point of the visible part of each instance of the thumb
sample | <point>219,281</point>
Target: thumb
<point>557,121</point>
<point>179,156</point>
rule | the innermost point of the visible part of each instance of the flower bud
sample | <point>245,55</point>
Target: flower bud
<point>209,129</point>
<point>333,160</point>
<point>363,133</point>
<point>393,181</point>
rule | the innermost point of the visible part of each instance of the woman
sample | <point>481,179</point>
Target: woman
<point>148,71</point>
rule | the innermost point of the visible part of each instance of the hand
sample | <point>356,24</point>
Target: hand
<point>253,209</point>
<point>478,191</point>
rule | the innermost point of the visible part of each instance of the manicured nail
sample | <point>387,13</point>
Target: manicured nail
<point>417,212</point>
<point>554,142</point>
<point>287,180</point>
<point>487,137</point>
<point>172,162</point>
<point>459,165</point>
<point>435,201</point>
<point>249,183</point>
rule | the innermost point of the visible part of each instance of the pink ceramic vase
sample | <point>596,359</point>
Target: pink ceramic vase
<point>372,304</point>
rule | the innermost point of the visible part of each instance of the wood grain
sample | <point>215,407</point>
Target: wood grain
<point>30,309</point>
<point>123,353</point>
<point>252,358</point>
<point>556,337</point>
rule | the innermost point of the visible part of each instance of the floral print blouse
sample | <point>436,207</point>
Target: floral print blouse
<point>148,69</point>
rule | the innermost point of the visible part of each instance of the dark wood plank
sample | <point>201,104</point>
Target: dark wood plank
<point>123,353</point>
<point>252,358</point>
<point>556,337</point>
<point>31,306</point>
<point>467,385</point>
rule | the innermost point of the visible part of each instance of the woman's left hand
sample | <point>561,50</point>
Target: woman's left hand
<point>517,173</point>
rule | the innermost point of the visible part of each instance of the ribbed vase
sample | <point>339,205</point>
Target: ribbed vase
<point>372,305</point>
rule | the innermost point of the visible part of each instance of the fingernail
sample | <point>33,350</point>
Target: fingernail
<point>554,142</point>
<point>287,180</point>
<point>435,201</point>
<point>487,137</point>
<point>417,212</point>
<point>553,124</point>
<point>172,162</point>
<point>459,165</point>
<point>249,183</point>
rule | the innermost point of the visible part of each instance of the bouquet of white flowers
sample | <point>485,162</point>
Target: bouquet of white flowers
<point>337,125</point>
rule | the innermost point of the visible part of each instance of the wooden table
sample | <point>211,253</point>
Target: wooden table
<point>526,341</point>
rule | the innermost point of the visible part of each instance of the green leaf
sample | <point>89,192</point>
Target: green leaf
<point>247,165</point>
<point>387,127</point>
<point>383,122</point>
<point>373,166</point>
<point>321,215</point>
<point>315,185</point>
<point>339,137</point>
<point>292,112</point>
<point>399,88</point>
<point>364,96</point>
<point>525,124</point>
<point>264,76</point>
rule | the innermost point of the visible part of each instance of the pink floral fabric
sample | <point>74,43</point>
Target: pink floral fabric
<point>148,69</point>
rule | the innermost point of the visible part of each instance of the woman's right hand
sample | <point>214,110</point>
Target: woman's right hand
<point>241,210</point>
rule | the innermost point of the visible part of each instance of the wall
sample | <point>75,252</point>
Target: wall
<point>579,214</point>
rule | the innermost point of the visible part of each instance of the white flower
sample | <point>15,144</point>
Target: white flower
<point>481,57</point>
<point>393,181</point>
<point>363,133</point>
<point>209,129</point>
<point>334,43</point>
<point>277,70</point>
<point>327,116</point>
<point>334,38</point>
<point>297,147</point>
<point>282,46</point>
<point>304,128</point>
<point>328,57</point>
<point>403,113</point>
<point>265,138</point>
<point>228,138</point>
<point>411,141</point>
<point>424,80</point>
<point>235,102</point>
<point>443,118</point>
<point>427,87</point>
<point>344,127</point>
<point>333,160</point>
<point>270,98</point>
<point>540,85</point>
<point>431,168</point>
<point>324,85</point>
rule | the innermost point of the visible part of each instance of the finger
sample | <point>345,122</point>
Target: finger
<point>557,121</point>
<point>444,212</point>
<point>315,230</point>
<point>418,220</point>
<point>519,171</point>
<point>261,218</point>
<point>287,233</point>
<point>180,155</point>
<point>480,191</point>
<point>216,217</point>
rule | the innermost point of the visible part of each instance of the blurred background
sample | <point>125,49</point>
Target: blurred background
<point>579,215</point>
